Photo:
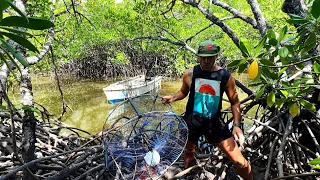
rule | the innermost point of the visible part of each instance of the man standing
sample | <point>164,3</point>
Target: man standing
<point>205,83</point>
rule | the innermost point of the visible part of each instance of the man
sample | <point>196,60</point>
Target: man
<point>205,84</point>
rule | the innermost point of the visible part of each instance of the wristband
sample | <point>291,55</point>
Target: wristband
<point>240,125</point>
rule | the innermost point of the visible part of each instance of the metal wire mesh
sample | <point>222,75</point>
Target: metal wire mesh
<point>143,125</point>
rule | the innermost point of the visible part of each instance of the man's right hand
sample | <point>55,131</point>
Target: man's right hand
<point>167,99</point>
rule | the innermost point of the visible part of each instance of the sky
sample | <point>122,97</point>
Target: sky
<point>118,1</point>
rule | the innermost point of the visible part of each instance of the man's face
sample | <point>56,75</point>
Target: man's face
<point>207,63</point>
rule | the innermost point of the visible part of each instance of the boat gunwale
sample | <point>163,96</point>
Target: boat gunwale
<point>156,79</point>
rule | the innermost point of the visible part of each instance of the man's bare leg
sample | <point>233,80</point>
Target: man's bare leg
<point>231,149</point>
<point>189,152</point>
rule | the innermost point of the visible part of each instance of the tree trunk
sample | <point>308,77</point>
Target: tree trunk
<point>28,119</point>
<point>28,122</point>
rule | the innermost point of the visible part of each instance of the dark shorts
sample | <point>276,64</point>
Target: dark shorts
<point>214,130</point>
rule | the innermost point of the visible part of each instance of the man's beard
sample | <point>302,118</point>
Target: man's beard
<point>206,67</point>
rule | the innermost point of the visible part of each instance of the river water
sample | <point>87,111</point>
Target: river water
<point>88,106</point>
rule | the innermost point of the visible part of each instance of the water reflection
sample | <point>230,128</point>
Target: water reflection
<point>88,104</point>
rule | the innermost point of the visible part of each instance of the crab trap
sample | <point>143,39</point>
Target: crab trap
<point>142,138</point>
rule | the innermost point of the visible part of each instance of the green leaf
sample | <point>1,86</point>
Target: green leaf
<point>273,42</point>
<point>243,47</point>
<point>284,93</point>
<point>283,33</point>
<point>244,60</point>
<point>294,109</point>
<point>260,92</point>
<point>256,84</point>
<point>315,161</point>
<point>6,62</point>
<point>301,36</point>
<point>261,44</point>
<point>295,16</point>
<point>258,77</point>
<point>233,63</point>
<point>16,31</point>
<point>3,107</point>
<point>283,52</point>
<point>315,9</point>
<point>3,5</point>
<point>9,66</point>
<point>316,67</point>
<point>307,105</point>
<point>300,81</point>
<point>310,43</point>
<point>34,23</point>
<point>305,90</point>
<point>300,66</point>
<point>315,166</point>
<point>12,60</point>
<point>271,99</point>
<point>17,10</point>
<point>291,48</point>
<point>269,74</point>
<point>15,53</point>
<point>266,62</point>
<point>297,21</point>
<point>271,34</point>
<point>30,109</point>
<point>20,40</point>
<point>282,71</point>
<point>280,103</point>
<point>242,67</point>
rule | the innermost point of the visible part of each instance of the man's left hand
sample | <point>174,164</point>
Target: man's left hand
<point>238,135</point>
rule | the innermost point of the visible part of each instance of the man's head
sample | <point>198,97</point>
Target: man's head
<point>208,52</point>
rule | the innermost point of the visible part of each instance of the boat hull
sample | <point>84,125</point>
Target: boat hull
<point>131,88</point>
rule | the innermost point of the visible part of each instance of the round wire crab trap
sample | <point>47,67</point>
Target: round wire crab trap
<point>142,144</point>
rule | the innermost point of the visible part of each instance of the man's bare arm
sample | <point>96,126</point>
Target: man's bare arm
<point>234,100</point>
<point>184,90</point>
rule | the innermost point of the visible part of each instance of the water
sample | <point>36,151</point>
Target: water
<point>88,106</point>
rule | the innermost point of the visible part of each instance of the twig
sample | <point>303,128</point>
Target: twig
<point>12,172</point>
<point>13,129</point>
<point>280,157</point>
<point>266,175</point>
<point>64,104</point>
<point>263,124</point>
<point>203,29</point>
<point>291,64</point>
<point>314,139</point>
<point>172,3</point>
<point>97,168</point>
<point>187,170</point>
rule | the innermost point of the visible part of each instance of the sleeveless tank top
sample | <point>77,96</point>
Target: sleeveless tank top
<point>205,97</point>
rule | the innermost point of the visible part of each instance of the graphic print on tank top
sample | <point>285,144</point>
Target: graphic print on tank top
<point>206,97</point>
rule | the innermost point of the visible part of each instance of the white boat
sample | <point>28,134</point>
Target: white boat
<point>131,88</point>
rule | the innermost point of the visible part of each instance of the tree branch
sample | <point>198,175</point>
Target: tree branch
<point>172,3</point>
<point>35,59</point>
<point>205,28</point>
<point>178,43</point>
<point>214,19</point>
<point>261,22</point>
<point>236,13</point>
